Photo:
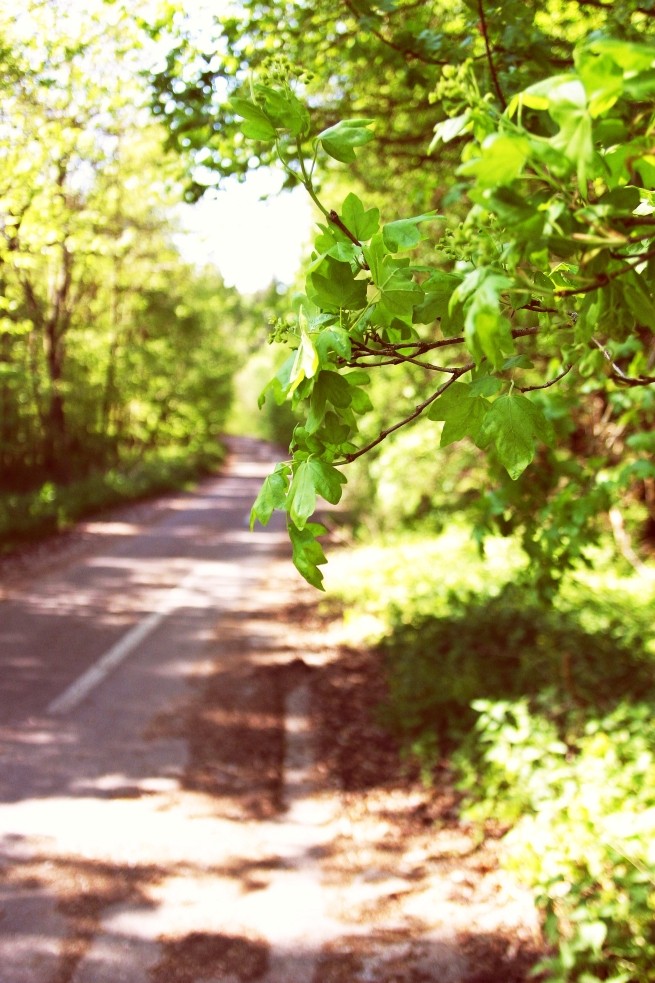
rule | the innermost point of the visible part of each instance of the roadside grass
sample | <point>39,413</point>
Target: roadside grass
<point>544,713</point>
<point>29,516</point>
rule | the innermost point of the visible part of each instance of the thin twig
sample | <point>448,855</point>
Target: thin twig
<point>334,218</point>
<point>490,60</point>
<point>349,458</point>
<point>398,360</point>
<point>422,347</point>
<point>618,374</point>
<point>546,385</point>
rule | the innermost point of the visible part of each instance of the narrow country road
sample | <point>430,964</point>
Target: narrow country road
<point>166,815</point>
<point>195,562</point>
<point>94,656</point>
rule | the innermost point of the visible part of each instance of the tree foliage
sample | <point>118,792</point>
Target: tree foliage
<point>109,343</point>
<point>393,60</point>
<point>525,301</point>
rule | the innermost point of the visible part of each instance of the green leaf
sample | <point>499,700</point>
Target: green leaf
<point>334,430</point>
<point>329,387</point>
<point>361,222</point>
<point>602,79</point>
<point>540,95</point>
<point>450,128</point>
<point>327,480</point>
<point>306,362</point>
<point>517,362</point>
<point>438,289</point>
<point>361,401</point>
<point>399,293</point>
<point>374,254</point>
<point>631,57</point>
<point>272,495</point>
<point>257,125</point>
<point>301,498</point>
<point>405,233</point>
<point>284,109</point>
<point>485,385</point>
<point>308,553</point>
<point>340,140</point>
<point>515,424</point>
<point>638,299</point>
<point>575,141</point>
<point>336,388</point>
<point>333,242</point>
<point>336,340</point>
<point>278,387</point>
<point>487,332</point>
<point>565,98</point>
<point>462,411</point>
<point>501,160</point>
<point>334,287</point>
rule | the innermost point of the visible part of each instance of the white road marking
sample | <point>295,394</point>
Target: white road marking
<point>84,684</point>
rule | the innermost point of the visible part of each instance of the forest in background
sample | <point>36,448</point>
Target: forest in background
<point>484,179</point>
<point>116,355</point>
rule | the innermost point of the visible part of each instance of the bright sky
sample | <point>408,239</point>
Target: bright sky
<point>251,241</point>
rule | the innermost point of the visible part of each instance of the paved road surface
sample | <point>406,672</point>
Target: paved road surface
<point>103,854</point>
<point>162,815</point>
<point>194,561</point>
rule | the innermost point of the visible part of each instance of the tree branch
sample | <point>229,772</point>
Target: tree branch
<point>349,458</point>
<point>604,278</point>
<point>618,374</point>
<point>422,347</point>
<point>334,218</point>
<point>490,60</point>
<point>545,385</point>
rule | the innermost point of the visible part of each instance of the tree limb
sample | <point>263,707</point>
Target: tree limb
<point>349,458</point>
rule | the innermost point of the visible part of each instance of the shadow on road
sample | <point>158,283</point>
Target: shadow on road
<point>162,832</point>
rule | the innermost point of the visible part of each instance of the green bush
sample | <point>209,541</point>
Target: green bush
<point>53,507</point>
<point>508,647</point>
<point>547,714</point>
<point>584,838</point>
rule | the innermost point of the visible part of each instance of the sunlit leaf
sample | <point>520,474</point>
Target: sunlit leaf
<point>362,222</point>
<point>256,123</point>
<point>405,233</point>
<point>308,553</point>
<point>340,140</point>
<point>272,495</point>
<point>306,362</point>
<point>516,425</point>
<point>501,160</point>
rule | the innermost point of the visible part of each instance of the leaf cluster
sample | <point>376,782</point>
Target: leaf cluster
<point>546,285</point>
